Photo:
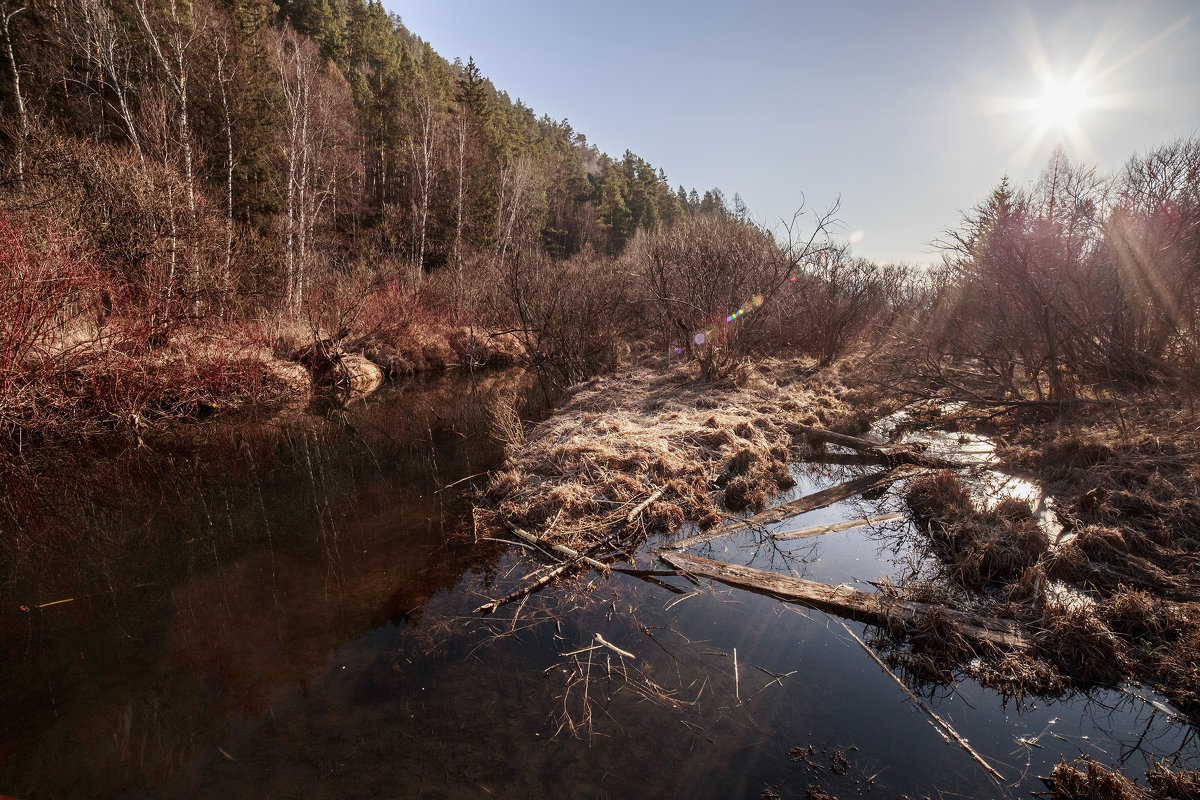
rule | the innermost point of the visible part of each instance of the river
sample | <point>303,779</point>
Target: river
<point>285,609</point>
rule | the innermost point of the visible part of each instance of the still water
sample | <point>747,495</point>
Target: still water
<point>285,610</point>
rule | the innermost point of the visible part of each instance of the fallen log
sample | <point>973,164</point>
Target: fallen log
<point>843,601</point>
<point>809,502</point>
<point>886,454</point>
<point>838,526</point>
<point>558,548</point>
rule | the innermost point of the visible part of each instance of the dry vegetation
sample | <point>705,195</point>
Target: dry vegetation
<point>699,449</point>
<point>1087,780</point>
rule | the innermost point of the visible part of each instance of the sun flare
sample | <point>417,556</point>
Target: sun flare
<point>1061,103</point>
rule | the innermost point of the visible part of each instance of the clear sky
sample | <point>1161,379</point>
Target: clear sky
<point>907,111</point>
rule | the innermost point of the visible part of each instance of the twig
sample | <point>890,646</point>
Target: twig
<point>737,688</point>
<point>623,653</point>
<point>939,722</point>
<point>642,506</point>
<point>460,480</point>
<point>562,549</point>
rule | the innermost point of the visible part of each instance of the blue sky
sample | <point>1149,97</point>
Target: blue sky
<point>907,111</point>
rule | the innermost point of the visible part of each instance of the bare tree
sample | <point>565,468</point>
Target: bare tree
<point>6,18</point>
<point>180,31</point>
<point>519,197</point>
<point>422,146</point>
<point>220,45</point>
<point>318,109</point>
<point>93,31</point>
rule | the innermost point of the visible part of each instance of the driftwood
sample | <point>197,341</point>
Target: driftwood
<point>886,454</point>
<point>560,549</point>
<point>874,609</point>
<point>838,526</point>
<point>809,502</point>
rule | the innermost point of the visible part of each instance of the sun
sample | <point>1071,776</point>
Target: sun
<point>1061,103</point>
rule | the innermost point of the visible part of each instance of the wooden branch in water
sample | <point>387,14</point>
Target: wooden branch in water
<point>561,549</point>
<point>875,609</point>
<point>526,589</point>
<point>887,454</point>
<point>938,721</point>
<point>809,502</point>
<point>838,526</point>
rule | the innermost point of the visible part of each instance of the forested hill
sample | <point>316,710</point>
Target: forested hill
<point>237,148</point>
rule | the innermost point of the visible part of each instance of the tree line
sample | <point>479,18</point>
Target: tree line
<point>219,154</point>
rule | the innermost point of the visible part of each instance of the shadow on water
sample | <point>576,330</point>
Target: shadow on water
<point>286,610</point>
<point>153,593</point>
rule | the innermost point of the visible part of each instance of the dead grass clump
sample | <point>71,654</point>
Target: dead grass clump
<point>623,438</point>
<point>977,547</point>
<point>1166,782</point>
<point>742,462</point>
<point>782,476</point>
<point>1020,675</point>
<point>997,550</point>
<point>1134,614</point>
<point>573,498</point>
<point>933,647</point>
<point>1081,645</point>
<point>1087,780</point>
<point>741,493</point>
<point>937,498</point>
<point>1105,558</point>
<point>664,517</point>
<point>1075,451</point>
<point>505,484</point>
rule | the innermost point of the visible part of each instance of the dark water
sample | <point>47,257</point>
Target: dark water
<point>286,610</point>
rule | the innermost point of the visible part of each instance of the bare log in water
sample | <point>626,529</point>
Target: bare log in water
<point>887,454</point>
<point>874,609</point>
<point>849,524</point>
<point>809,502</point>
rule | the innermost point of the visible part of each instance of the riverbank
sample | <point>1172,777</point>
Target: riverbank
<point>1095,571</point>
<point>108,379</point>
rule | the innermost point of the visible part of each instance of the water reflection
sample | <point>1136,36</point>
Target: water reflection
<point>285,610</point>
<point>175,588</point>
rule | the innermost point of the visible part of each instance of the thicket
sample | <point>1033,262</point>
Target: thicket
<point>316,175</point>
<point>1080,287</point>
<point>282,177</point>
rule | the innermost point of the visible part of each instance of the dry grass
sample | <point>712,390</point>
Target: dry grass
<point>977,546</point>
<point>619,439</point>
<point>1087,780</point>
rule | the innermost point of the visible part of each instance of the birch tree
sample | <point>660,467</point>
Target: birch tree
<point>6,18</point>
<point>422,146</point>
<point>179,34</point>
<point>93,31</point>
<point>317,111</point>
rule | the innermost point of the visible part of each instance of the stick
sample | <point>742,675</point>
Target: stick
<point>563,549</point>
<point>837,526</point>
<point>623,653</point>
<point>527,589</point>
<point>642,506</point>
<point>945,726</point>
<point>460,480</point>
<point>737,686</point>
